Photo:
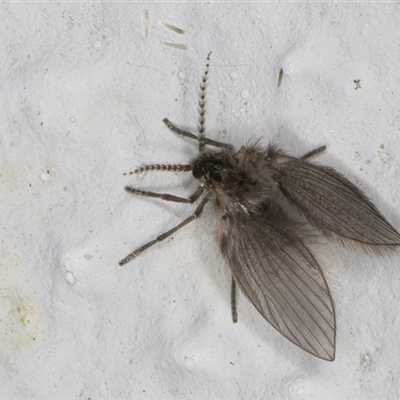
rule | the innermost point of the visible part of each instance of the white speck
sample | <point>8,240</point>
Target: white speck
<point>244,208</point>
<point>233,76</point>
<point>72,120</point>
<point>97,43</point>
<point>244,94</point>
<point>70,278</point>
<point>44,177</point>
<point>182,75</point>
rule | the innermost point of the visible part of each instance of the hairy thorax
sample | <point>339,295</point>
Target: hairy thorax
<point>240,181</point>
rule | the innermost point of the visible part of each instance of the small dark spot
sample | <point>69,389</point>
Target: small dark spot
<point>357,82</point>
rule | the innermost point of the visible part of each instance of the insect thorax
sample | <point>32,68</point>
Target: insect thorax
<point>239,180</point>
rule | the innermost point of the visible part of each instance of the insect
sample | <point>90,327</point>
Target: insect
<point>272,206</point>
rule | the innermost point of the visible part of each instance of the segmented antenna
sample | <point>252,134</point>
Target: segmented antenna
<point>161,167</point>
<point>202,107</point>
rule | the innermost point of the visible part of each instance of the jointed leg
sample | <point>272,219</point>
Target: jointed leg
<point>313,152</point>
<point>160,238</point>
<point>179,131</point>
<point>190,135</point>
<point>166,196</point>
<point>233,301</point>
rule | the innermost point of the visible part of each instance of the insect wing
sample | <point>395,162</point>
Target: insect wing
<point>280,276</point>
<point>332,202</point>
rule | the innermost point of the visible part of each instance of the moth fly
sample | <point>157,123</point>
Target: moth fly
<point>270,207</point>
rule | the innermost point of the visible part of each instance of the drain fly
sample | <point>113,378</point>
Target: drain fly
<point>271,208</point>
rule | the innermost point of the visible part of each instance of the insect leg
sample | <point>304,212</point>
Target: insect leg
<point>179,131</point>
<point>192,136</point>
<point>233,301</point>
<point>313,152</point>
<point>160,238</point>
<point>166,196</point>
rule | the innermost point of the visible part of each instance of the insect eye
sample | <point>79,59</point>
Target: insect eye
<point>197,172</point>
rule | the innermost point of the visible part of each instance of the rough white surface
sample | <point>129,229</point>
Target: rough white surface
<point>83,93</point>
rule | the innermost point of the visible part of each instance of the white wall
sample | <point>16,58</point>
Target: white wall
<point>83,94</point>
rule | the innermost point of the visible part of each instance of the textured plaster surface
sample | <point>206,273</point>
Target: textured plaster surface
<point>84,89</point>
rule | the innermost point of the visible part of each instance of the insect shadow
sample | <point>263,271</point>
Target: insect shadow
<point>272,207</point>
